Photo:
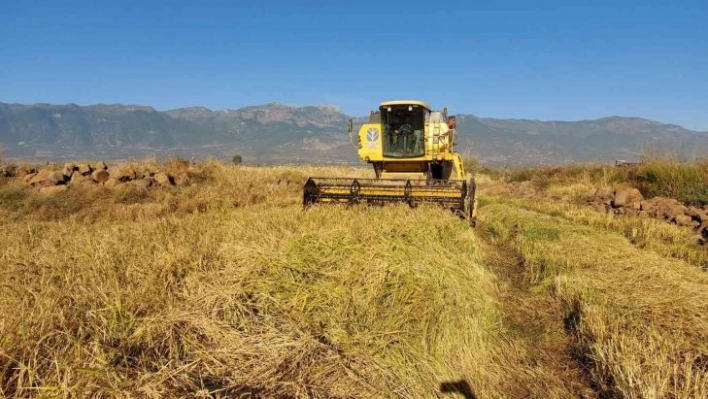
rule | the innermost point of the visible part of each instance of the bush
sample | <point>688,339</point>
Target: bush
<point>237,159</point>
<point>666,177</point>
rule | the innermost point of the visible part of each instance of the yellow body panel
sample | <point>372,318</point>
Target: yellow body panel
<point>437,143</point>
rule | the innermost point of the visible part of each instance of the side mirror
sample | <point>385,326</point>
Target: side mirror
<point>351,126</point>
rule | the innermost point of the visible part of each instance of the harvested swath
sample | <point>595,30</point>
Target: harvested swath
<point>643,232</point>
<point>638,317</point>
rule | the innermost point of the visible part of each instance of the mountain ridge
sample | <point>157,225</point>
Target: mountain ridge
<point>276,132</point>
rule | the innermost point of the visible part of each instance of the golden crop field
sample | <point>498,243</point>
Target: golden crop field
<point>225,287</point>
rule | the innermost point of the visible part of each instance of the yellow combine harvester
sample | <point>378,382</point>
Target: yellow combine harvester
<point>411,149</point>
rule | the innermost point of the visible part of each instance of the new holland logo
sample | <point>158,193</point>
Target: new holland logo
<point>372,138</point>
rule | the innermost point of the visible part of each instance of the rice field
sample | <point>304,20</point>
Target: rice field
<point>227,288</point>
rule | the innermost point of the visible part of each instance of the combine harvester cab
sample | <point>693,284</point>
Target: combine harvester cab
<point>411,150</point>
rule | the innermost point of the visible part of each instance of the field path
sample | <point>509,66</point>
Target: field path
<point>534,322</point>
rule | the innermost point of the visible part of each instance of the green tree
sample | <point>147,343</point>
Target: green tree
<point>237,159</point>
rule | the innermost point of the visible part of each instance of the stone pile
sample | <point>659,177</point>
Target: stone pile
<point>629,201</point>
<point>54,179</point>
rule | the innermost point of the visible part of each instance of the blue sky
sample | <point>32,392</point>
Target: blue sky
<point>561,60</point>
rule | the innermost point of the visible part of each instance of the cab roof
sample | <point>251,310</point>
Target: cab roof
<point>405,102</point>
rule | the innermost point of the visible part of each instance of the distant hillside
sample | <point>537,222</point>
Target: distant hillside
<point>514,141</point>
<point>281,133</point>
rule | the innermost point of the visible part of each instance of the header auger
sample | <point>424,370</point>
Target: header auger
<point>411,149</point>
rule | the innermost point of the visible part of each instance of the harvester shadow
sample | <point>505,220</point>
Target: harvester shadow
<point>462,387</point>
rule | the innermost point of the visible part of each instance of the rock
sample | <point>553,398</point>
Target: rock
<point>100,175</point>
<point>702,216</point>
<point>77,179</point>
<point>28,177</point>
<point>47,178</point>
<point>649,207</point>
<point>123,174</point>
<point>111,183</point>
<point>683,220</point>
<point>100,166</point>
<point>69,169</point>
<point>603,195</point>
<point>163,179</point>
<point>664,206</point>
<point>144,183</point>
<point>51,190</point>
<point>182,179</point>
<point>8,170</point>
<point>675,211</point>
<point>692,211</point>
<point>626,196</point>
<point>85,169</point>
<point>24,170</point>
<point>697,214</point>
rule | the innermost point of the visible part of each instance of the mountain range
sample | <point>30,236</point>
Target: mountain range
<point>278,133</point>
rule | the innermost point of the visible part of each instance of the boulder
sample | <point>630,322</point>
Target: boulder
<point>683,220</point>
<point>85,169</point>
<point>8,170</point>
<point>77,179</point>
<point>100,175</point>
<point>182,179</point>
<point>122,174</point>
<point>648,207</point>
<point>144,183</point>
<point>674,211</point>
<point>664,206</point>
<point>603,195</point>
<point>47,178</point>
<point>69,169</point>
<point>163,179</point>
<point>24,170</point>
<point>51,190</point>
<point>28,177</point>
<point>111,183</point>
<point>627,197</point>
<point>697,214</point>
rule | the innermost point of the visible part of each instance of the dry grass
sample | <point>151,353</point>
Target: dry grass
<point>657,175</point>
<point>663,238</point>
<point>638,318</point>
<point>227,288</point>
